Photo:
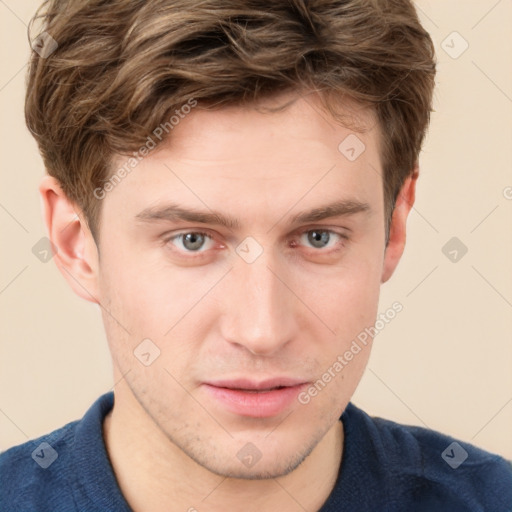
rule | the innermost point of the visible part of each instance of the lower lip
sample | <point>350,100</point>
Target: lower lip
<point>261,404</point>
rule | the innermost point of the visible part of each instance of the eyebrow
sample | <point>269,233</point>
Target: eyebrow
<point>175,212</point>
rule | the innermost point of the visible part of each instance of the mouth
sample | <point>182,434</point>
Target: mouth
<point>265,390</point>
<point>255,399</point>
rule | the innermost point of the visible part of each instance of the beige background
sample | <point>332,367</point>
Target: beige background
<point>446,360</point>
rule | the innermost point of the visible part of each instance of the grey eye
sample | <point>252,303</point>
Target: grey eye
<point>191,241</point>
<point>319,238</point>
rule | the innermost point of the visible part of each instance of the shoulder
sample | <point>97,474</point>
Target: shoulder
<point>35,474</point>
<point>62,470</point>
<point>433,468</point>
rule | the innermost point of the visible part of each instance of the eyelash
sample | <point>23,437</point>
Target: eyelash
<point>190,254</point>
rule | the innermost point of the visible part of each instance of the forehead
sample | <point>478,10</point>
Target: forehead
<point>244,158</point>
<point>303,120</point>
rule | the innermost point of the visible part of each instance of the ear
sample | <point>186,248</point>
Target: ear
<point>397,229</point>
<point>76,254</point>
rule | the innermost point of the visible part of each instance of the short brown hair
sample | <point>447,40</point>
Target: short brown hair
<point>121,68</point>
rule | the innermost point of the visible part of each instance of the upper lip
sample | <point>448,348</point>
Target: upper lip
<point>247,384</point>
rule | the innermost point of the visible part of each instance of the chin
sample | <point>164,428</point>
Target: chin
<point>271,465</point>
<point>260,471</point>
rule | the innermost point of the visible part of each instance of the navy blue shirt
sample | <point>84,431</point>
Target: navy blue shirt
<point>386,467</point>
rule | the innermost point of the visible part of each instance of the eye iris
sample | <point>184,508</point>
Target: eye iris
<point>318,238</point>
<point>196,241</point>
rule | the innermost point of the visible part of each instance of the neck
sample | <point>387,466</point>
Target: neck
<point>155,475</point>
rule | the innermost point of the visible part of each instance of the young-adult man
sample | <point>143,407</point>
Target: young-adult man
<point>230,182</point>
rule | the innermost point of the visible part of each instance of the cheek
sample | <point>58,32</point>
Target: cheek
<point>145,293</point>
<point>345,297</point>
<point>349,307</point>
<point>159,302</point>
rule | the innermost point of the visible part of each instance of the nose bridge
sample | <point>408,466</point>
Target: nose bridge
<point>258,312</point>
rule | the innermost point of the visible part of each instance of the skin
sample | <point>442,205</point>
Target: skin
<point>290,312</point>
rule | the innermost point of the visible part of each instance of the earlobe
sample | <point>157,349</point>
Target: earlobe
<point>397,229</point>
<point>76,253</point>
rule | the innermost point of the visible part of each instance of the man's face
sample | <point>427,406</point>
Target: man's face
<point>265,302</point>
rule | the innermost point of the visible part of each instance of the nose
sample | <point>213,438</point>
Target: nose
<point>259,312</point>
